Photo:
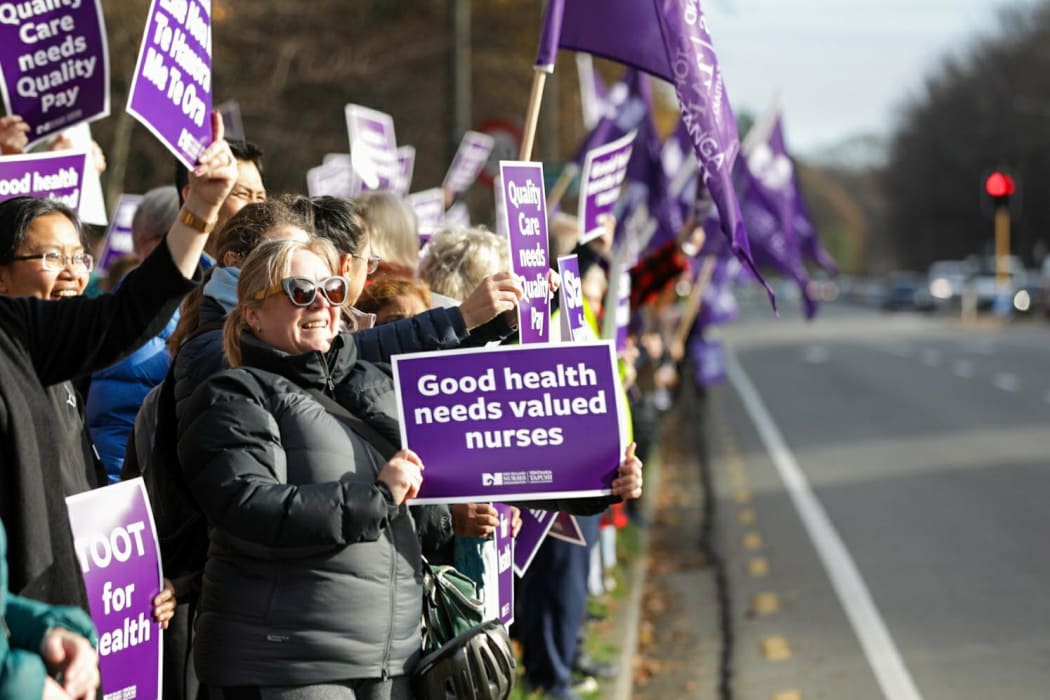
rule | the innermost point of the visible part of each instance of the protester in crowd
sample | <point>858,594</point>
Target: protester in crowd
<point>117,392</point>
<point>394,298</point>
<point>458,259</point>
<point>45,343</point>
<point>261,455</point>
<point>395,233</point>
<point>42,643</point>
<point>248,188</point>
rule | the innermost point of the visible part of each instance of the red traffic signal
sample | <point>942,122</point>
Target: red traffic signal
<point>1000,185</point>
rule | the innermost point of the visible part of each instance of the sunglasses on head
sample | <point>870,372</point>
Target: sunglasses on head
<point>302,291</point>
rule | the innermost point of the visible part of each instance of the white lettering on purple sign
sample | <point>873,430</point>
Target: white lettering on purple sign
<point>175,67</point>
<point>485,408</point>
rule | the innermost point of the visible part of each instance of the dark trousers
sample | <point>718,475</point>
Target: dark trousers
<point>180,679</point>
<point>554,603</point>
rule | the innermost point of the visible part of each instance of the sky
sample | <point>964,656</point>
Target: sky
<point>841,68</point>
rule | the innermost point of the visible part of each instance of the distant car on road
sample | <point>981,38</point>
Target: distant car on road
<point>906,291</point>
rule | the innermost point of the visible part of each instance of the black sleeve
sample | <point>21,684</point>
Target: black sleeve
<point>591,505</point>
<point>74,337</point>
<point>434,528</point>
<point>436,329</point>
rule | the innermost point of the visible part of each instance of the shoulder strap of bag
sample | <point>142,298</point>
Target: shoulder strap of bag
<point>354,423</point>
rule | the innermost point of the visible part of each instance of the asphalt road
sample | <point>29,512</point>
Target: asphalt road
<point>883,485</point>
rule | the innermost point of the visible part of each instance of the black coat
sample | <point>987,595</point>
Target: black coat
<point>313,574</point>
<point>44,343</point>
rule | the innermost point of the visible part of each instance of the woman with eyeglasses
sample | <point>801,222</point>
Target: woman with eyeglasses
<point>312,584</point>
<point>43,343</point>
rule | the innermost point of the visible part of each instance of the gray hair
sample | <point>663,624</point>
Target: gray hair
<point>457,259</point>
<point>154,216</point>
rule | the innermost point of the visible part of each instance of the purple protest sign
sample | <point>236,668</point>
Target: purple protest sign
<point>566,528</point>
<point>373,148</point>
<point>603,172</point>
<point>232,120</point>
<point>406,165</point>
<point>574,324</point>
<point>57,175</point>
<point>333,177</point>
<point>470,159</point>
<point>54,63</point>
<point>118,237</point>
<point>504,540</point>
<point>457,216</point>
<point>534,527</point>
<point>171,86</point>
<point>429,206</point>
<point>525,214</point>
<point>116,544</point>
<point>512,423</point>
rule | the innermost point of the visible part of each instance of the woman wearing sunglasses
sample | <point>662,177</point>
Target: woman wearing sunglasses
<point>311,588</point>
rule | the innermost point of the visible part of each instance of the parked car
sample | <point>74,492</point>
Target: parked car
<point>906,291</point>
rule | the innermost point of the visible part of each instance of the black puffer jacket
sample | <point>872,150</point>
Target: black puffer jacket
<point>313,574</point>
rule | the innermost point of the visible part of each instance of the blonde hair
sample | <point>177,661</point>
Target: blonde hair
<point>458,259</point>
<point>394,229</point>
<point>264,269</point>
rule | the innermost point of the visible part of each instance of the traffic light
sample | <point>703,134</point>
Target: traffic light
<point>1000,186</point>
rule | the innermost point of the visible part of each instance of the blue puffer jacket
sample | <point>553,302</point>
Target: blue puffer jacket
<point>117,392</point>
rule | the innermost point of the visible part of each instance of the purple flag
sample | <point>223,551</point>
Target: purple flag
<point>719,305</point>
<point>429,206</point>
<point>512,423</point>
<point>574,324</point>
<point>566,528</point>
<point>470,159</point>
<point>54,64</point>
<point>504,540</point>
<point>116,544</point>
<point>534,527</point>
<point>373,148</point>
<point>406,165</point>
<point>525,215</point>
<point>808,241</point>
<point>709,361</point>
<point>57,175</point>
<point>171,87</point>
<point>118,241</point>
<point>628,106</point>
<point>604,169</point>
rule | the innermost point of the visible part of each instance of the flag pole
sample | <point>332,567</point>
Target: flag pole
<point>561,186</point>
<point>532,113</point>
<point>692,308</point>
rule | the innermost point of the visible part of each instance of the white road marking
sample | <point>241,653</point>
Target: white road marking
<point>882,653</point>
<point>962,368</point>
<point>1006,381</point>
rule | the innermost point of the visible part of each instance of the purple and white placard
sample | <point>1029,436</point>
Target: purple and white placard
<point>333,177</point>
<point>118,241</point>
<point>373,149</point>
<point>566,528</point>
<point>406,165</point>
<point>171,86</point>
<point>512,423</point>
<point>525,213</point>
<point>457,216</point>
<point>116,545</point>
<point>470,159</point>
<point>534,527</point>
<point>504,539</point>
<point>604,169</point>
<point>429,206</point>
<point>232,120</point>
<point>54,64</point>
<point>57,175</point>
<point>574,324</point>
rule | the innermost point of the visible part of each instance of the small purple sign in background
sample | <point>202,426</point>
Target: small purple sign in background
<point>566,528</point>
<point>55,64</point>
<point>334,177</point>
<point>504,540</point>
<point>406,165</point>
<point>534,527</point>
<point>373,149</point>
<point>525,212</point>
<point>470,158</point>
<point>429,206</point>
<point>604,169</point>
<point>57,175</point>
<point>116,545</point>
<point>512,423</point>
<point>118,241</point>
<point>574,324</point>
<point>171,87</point>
